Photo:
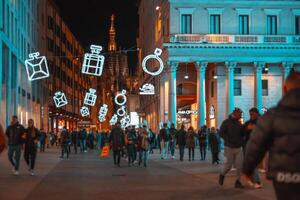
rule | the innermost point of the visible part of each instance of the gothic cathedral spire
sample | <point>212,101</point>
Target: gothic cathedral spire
<point>112,35</point>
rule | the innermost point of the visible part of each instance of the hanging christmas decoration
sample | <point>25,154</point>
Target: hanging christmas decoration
<point>84,111</point>
<point>147,89</point>
<point>90,97</point>
<point>155,56</point>
<point>103,112</point>
<point>121,111</point>
<point>93,62</point>
<point>60,99</point>
<point>121,96</point>
<point>113,120</point>
<point>36,67</point>
<point>125,121</point>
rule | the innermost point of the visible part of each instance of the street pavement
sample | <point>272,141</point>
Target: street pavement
<point>86,176</point>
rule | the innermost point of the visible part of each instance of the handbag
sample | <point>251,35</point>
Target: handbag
<point>105,152</point>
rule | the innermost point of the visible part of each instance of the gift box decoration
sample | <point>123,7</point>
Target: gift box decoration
<point>60,99</point>
<point>36,67</point>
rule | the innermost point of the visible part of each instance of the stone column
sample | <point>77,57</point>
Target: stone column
<point>230,75</point>
<point>258,83</point>
<point>201,68</point>
<point>172,92</point>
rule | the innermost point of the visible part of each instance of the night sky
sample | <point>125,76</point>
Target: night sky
<point>89,20</point>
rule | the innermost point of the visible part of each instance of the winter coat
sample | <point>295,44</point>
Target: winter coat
<point>232,132</point>
<point>116,138</point>
<point>15,133</point>
<point>163,135</point>
<point>173,133</point>
<point>32,135</point>
<point>202,137</point>
<point>181,137</point>
<point>213,142</point>
<point>277,132</point>
<point>190,139</point>
<point>65,137</point>
<point>247,131</point>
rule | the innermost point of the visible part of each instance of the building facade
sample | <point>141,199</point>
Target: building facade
<point>218,55</point>
<point>65,55</point>
<point>19,21</point>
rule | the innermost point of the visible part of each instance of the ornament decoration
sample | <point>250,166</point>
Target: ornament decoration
<point>155,56</point>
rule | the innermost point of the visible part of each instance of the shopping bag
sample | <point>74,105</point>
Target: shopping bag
<point>105,152</point>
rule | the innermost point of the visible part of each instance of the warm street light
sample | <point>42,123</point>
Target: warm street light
<point>157,8</point>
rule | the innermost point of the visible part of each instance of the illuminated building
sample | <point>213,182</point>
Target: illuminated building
<point>218,56</point>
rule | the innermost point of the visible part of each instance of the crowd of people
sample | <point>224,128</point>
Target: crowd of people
<point>275,134</point>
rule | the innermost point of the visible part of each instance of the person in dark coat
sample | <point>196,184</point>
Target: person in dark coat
<point>181,141</point>
<point>173,133</point>
<point>130,138</point>
<point>190,143</point>
<point>278,132</point>
<point>117,142</point>
<point>65,140</point>
<point>42,139</point>
<point>31,140</point>
<point>202,136</point>
<point>74,136</point>
<point>15,133</point>
<point>214,145</point>
<point>247,129</point>
<point>231,132</point>
<point>164,140</point>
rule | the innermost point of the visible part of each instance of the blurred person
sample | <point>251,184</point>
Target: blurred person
<point>181,141</point>
<point>247,131</point>
<point>190,143</point>
<point>15,134</point>
<point>32,135</point>
<point>231,132</point>
<point>65,140</point>
<point>214,145</point>
<point>164,140</point>
<point>202,136</point>
<point>116,140</point>
<point>173,133</point>
<point>278,132</point>
<point>42,139</point>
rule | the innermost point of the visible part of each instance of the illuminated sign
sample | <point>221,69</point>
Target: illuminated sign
<point>84,111</point>
<point>113,120</point>
<point>60,99</point>
<point>90,97</point>
<point>93,62</point>
<point>36,67</point>
<point>121,111</point>
<point>187,112</point>
<point>125,121</point>
<point>103,112</point>
<point>147,89</point>
<point>119,96</point>
<point>155,56</point>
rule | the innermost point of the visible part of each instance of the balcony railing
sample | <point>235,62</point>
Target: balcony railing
<point>226,39</point>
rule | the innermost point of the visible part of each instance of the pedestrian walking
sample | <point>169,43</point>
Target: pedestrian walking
<point>42,139</point>
<point>75,138</point>
<point>247,131</point>
<point>231,132</point>
<point>116,140</point>
<point>181,141</point>
<point>202,136</point>
<point>144,146</point>
<point>65,142</point>
<point>278,132</point>
<point>82,140</point>
<point>173,133</point>
<point>15,134</point>
<point>130,138</point>
<point>164,141</point>
<point>190,143</point>
<point>98,140</point>
<point>214,145</point>
<point>32,135</point>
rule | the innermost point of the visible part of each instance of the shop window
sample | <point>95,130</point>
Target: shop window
<point>237,87</point>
